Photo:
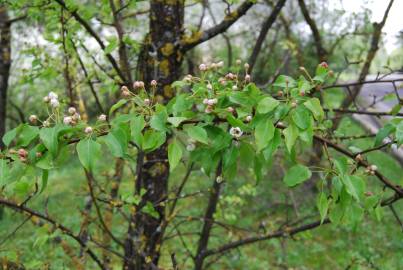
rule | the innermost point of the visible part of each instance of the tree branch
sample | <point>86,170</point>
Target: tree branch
<point>230,19</point>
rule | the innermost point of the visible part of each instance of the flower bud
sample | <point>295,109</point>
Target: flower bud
<point>247,78</point>
<point>76,117</point>
<point>235,132</point>
<point>209,109</point>
<point>67,120</point>
<point>191,147</point>
<point>209,86</point>
<point>212,101</point>
<point>22,152</point>
<point>373,167</point>
<point>248,118</point>
<point>324,64</point>
<point>147,102</point>
<point>238,62</point>
<point>358,157</point>
<point>46,123</point>
<point>246,66</point>
<point>54,103</point>
<point>53,95</point>
<point>205,101</point>
<point>72,110</point>
<point>280,93</point>
<point>234,87</point>
<point>88,130</point>
<point>203,67</point>
<point>294,104</point>
<point>230,110</point>
<point>219,179</point>
<point>125,93</point>
<point>102,118</point>
<point>46,99</point>
<point>33,119</point>
<point>220,64</point>
<point>136,85</point>
<point>153,83</point>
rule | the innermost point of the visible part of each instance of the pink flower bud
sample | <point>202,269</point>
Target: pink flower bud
<point>67,120</point>
<point>153,83</point>
<point>324,64</point>
<point>203,67</point>
<point>72,110</point>
<point>247,78</point>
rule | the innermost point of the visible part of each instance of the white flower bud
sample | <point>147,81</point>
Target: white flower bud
<point>88,130</point>
<point>212,101</point>
<point>67,120</point>
<point>147,102</point>
<point>238,62</point>
<point>141,83</point>
<point>136,85</point>
<point>248,118</point>
<point>102,117</point>
<point>209,109</point>
<point>203,67</point>
<point>191,147</point>
<point>54,103</point>
<point>247,78</point>
<point>46,99</point>
<point>153,83</point>
<point>209,86</point>
<point>235,132</point>
<point>76,117</point>
<point>246,66</point>
<point>126,93</point>
<point>33,119</point>
<point>53,95</point>
<point>46,123</point>
<point>72,110</point>
<point>220,64</point>
<point>373,167</point>
<point>230,110</point>
<point>219,179</point>
<point>234,87</point>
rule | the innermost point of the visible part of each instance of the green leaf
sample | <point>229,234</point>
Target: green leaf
<point>284,81</point>
<point>174,154</point>
<point>264,132</point>
<point>27,134</point>
<point>396,109</point>
<point>116,140</point>
<point>88,152</point>
<point>137,124</point>
<point>197,133</point>
<point>352,188</point>
<point>290,135</point>
<point>323,206</point>
<point>267,105</point>
<point>10,135</point>
<point>176,121</point>
<point>113,44</point>
<point>314,106</point>
<point>383,133</point>
<point>399,133</point>
<point>301,117</point>
<point>117,105</point>
<point>50,138</point>
<point>153,139</point>
<point>4,172</point>
<point>296,175</point>
<point>45,176</point>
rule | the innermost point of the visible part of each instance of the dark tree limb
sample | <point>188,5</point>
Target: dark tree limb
<point>267,24</point>
<point>208,219</point>
<point>62,228</point>
<point>230,19</point>
<point>321,51</point>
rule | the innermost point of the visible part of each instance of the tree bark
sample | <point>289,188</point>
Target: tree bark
<point>160,60</point>
<point>5,63</point>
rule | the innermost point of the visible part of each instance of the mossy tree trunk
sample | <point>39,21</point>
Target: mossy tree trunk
<point>159,60</point>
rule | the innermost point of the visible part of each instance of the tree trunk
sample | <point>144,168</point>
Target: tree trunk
<point>159,60</point>
<point>5,63</point>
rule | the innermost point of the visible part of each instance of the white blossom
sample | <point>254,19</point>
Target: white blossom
<point>235,132</point>
<point>54,102</point>
<point>88,130</point>
<point>102,117</point>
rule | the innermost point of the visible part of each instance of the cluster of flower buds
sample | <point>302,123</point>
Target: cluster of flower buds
<point>53,99</point>
<point>72,118</point>
<point>138,85</point>
<point>22,154</point>
<point>371,169</point>
<point>235,132</point>
<point>203,67</point>
<point>230,76</point>
<point>210,104</point>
